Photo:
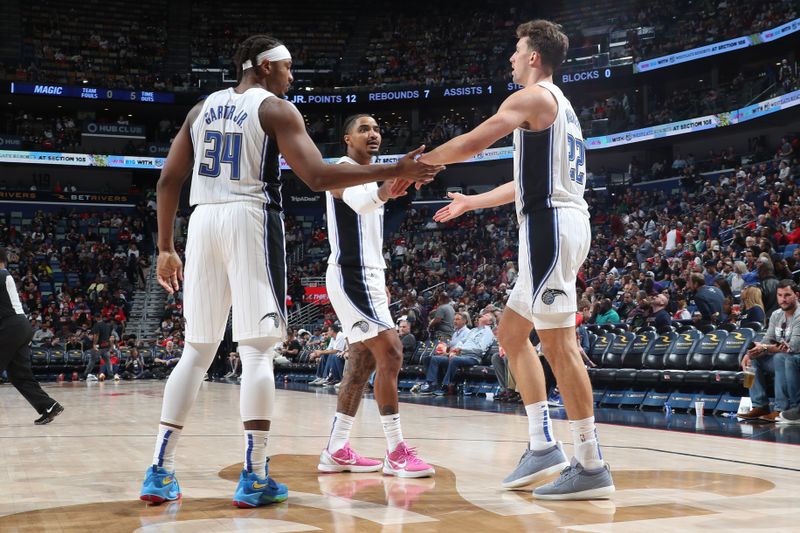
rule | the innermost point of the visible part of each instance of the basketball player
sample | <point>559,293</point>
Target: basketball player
<point>15,357</point>
<point>357,290</point>
<point>554,239</point>
<point>230,145</point>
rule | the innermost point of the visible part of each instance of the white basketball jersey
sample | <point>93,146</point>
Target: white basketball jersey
<point>234,158</point>
<point>356,240</point>
<point>550,165</point>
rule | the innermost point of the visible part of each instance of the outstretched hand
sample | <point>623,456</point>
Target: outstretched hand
<point>454,209</point>
<point>394,188</point>
<point>410,168</point>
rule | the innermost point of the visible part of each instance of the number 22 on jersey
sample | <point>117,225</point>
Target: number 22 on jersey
<point>577,167</point>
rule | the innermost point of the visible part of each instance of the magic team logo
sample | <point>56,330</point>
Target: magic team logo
<point>363,325</point>
<point>549,296</point>
<point>273,316</point>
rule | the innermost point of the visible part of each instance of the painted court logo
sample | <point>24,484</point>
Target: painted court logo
<point>363,325</point>
<point>273,316</point>
<point>549,296</point>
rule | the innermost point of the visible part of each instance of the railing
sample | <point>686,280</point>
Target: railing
<point>303,315</point>
<point>423,291</point>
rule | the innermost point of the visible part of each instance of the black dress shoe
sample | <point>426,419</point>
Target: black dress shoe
<point>48,416</point>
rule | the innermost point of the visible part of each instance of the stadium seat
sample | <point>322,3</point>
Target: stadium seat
<point>75,358</point>
<point>653,361</point>
<point>726,363</point>
<point>633,359</point>
<point>612,360</point>
<point>39,358</point>
<point>676,359</point>
<point>755,326</point>
<point>599,348</point>
<point>700,360</point>
<point>57,361</point>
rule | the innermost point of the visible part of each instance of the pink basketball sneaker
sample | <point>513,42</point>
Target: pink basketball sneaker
<point>403,462</point>
<point>346,460</point>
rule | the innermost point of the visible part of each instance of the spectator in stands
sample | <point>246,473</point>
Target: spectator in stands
<point>290,348</point>
<point>233,364</point>
<point>626,306</point>
<point>134,367</point>
<point>94,357</point>
<point>638,316</point>
<point>682,313</point>
<point>644,249</point>
<point>464,355</point>
<point>778,354</point>
<point>753,306</point>
<point>501,372</point>
<point>328,368</point>
<point>660,317</point>
<point>461,322</point>
<point>606,314</point>
<point>768,284</point>
<point>408,340</point>
<point>708,299</point>
<point>673,239</point>
<point>735,279</point>
<point>441,325</point>
<point>166,361</point>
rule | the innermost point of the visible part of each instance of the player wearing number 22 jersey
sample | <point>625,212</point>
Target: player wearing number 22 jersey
<point>549,172</point>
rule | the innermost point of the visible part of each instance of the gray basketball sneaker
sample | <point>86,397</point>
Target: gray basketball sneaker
<point>534,466</point>
<point>577,483</point>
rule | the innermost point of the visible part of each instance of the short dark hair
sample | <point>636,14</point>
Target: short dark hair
<point>335,327</point>
<point>249,50</point>
<point>3,256</point>
<point>350,121</point>
<point>782,284</point>
<point>546,38</point>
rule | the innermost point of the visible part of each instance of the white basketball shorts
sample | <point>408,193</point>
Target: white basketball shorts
<point>553,244</point>
<point>358,296</point>
<point>235,255</point>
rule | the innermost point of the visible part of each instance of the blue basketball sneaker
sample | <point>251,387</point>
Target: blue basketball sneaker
<point>160,486</point>
<point>255,492</point>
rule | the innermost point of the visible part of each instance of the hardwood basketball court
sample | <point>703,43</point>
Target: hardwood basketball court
<point>83,472</point>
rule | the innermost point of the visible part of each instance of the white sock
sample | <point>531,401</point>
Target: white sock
<point>540,429</point>
<point>392,430</point>
<point>340,432</point>
<point>166,442</point>
<point>587,449</point>
<point>255,452</point>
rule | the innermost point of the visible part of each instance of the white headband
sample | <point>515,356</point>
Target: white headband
<point>279,53</point>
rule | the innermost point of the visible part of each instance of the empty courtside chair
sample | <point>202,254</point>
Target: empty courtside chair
<point>75,360</point>
<point>727,361</point>
<point>598,350</point>
<point>57,361</point>
<point>755,326</point>
<point>675,363</point>
<point>633,358</point>
<point>613,358</point>
<point>39,359</point>
<point>653,360</point>
<point>700,359</point>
